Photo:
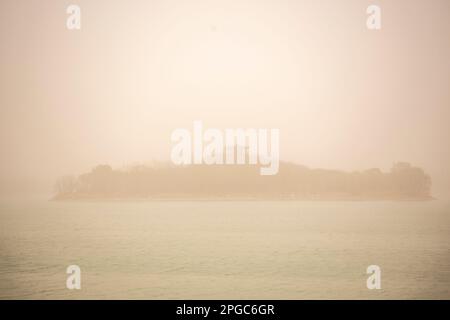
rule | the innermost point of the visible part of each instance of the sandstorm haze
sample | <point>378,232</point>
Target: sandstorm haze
<point>342,96</point>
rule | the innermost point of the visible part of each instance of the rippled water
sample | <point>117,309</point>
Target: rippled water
<point>231,250</point>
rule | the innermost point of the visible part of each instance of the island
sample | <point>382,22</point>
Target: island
<point>243,182</point>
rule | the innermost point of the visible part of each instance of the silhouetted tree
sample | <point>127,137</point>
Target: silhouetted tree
<point>66,185</point>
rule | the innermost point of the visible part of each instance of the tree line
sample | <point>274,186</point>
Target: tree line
<point>293,181</point>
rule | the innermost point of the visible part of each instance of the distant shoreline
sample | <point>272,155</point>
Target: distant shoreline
<point>242,183</point>
<point>88,198</point>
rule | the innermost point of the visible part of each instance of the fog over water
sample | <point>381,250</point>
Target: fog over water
<point>342,96</point>
<point>362,115</point>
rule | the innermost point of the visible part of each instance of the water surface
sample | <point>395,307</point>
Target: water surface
<point>229,250</point>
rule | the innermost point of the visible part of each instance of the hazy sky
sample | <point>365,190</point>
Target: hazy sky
<point>342,96</point>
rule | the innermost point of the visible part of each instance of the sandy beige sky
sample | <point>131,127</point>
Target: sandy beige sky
<point>342,96</point>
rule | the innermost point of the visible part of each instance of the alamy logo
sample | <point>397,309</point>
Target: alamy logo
<point>374,20</point>
<point>233,146</point>
<point>374,280</point>
<point>74,280</point>
<point>74,20</point>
